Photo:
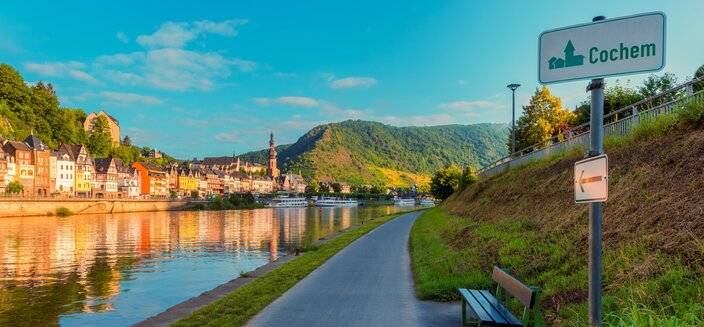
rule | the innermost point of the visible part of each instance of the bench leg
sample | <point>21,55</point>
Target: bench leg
<point>464,313</point>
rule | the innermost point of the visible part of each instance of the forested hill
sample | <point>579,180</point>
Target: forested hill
<point>362,152</point>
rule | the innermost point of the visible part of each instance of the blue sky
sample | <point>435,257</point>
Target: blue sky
<point>212,78</point>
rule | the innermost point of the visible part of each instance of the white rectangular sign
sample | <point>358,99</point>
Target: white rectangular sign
<point>591,179</point>
<point>619,46</point>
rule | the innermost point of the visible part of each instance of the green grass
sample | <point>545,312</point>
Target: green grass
<point>238,307</point>
<point>643,286</point>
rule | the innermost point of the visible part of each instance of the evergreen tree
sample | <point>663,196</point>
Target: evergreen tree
<point>543,118</point>
<point>126,141</point>
<point>100,142</point>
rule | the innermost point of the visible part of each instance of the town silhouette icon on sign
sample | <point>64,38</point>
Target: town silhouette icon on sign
<point>570,59</point>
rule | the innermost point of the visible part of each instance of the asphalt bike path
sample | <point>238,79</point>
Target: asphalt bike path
<point>368,283</point>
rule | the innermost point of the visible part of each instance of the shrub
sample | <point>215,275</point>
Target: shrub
<point>692,113</point>
<point>63,212</point>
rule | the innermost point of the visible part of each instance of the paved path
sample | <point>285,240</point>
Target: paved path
<point>369,283</point>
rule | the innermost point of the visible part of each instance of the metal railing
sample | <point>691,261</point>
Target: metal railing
<point>616,123</point>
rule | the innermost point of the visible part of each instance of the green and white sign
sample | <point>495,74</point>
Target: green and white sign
<point>619,46</point>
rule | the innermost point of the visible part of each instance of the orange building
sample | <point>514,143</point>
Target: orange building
<point>153,179</point>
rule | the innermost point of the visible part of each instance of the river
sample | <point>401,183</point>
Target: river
<point>119,269</point>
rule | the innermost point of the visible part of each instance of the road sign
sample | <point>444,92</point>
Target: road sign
<point>619,46</point>
<point>591,179</point>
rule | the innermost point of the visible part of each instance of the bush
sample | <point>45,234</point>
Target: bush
<point>692,113</point>
<point>63,212</point>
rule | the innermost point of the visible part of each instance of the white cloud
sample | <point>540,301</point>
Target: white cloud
<point>120,59</point>
<point>352,82</point>
<point>124,78</point>
<point>119,99</point>
<point>462,82</point>
<point>85,77</point>
<point>53,69</point>
<point>122,37</point>
<point>70,69</point>
<point>177,35</point>
<point>330,109</point>
<point>470,105</point>
<point>292,101</point>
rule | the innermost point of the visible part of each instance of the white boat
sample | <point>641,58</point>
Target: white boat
<point>286,202</point>
<point>427,202</point>
<point>335,202</point>
<point>405,202</point>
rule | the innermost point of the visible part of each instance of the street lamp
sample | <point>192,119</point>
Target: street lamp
<point>513,88</point>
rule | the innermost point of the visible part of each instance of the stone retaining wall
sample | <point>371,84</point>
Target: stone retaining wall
<point>35,207</point>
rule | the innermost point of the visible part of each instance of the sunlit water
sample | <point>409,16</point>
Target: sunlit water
<point>116,270</point>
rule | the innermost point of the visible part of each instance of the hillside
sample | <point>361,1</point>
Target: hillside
<point>525,220</point>
<point>362,152</point>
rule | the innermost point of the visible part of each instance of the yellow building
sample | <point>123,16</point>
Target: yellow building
<point>85,171</point>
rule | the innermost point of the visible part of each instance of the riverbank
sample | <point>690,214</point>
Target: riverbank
<point>526,221</point>
<point>253,291</point>
<point>48,207</point>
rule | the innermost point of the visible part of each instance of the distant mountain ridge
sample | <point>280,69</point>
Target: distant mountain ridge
<point>364,152</point>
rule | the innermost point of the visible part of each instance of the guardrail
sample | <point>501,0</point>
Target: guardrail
<point>617,123</point>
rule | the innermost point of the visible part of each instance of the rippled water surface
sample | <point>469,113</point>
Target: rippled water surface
<point>116,270</point>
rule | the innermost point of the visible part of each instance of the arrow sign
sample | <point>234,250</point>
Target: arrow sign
<point>594,187</point>
<point>583,180</point>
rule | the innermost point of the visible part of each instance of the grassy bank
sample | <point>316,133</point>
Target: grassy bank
<point>526,221</point>
<point>241,305</point>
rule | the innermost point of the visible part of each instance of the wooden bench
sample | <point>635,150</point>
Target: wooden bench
<point>488,310</point>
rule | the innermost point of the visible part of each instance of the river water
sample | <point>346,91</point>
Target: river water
<point>116,270</point>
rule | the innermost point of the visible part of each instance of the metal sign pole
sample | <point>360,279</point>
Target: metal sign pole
<point>596,147</point>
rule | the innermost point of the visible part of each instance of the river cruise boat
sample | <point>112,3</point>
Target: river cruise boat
<point>427,202</point>
<point>286,202</point>
<point>335,202</point>
<point>405,202</point>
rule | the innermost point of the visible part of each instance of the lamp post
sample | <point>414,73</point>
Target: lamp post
<point>513,88</point>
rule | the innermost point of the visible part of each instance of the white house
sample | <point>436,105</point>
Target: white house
<point>65,173</point>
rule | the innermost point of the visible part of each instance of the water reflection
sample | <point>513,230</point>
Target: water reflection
<point>120,269</point>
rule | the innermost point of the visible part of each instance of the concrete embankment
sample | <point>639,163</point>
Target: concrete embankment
<point>44,207</point>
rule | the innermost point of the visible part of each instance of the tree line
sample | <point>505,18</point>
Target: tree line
<point>545,117</point>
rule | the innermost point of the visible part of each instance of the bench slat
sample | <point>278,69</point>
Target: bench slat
<point>510,318</point>
<point>520,291</point>
<point>496,316</point>
<point>476,307</point>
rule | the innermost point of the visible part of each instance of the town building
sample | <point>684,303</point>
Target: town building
<point>345,188</point>
<point>41,154</point>
<point>262,184</point>
<point>4,160</point>
<point>215,186</point>
<point>155,154</point>
<point>65,172</point>
<point>112,122</point>
<point>271,169</point>
<point>128,180</point>
<point>85,171</point>
<point>188,182</point>
<point>153,180</point>
<point>106,178</point>
<point>24,165</point>
<point>226,164</point>
<point>292,183</point>
<point>52,172</point>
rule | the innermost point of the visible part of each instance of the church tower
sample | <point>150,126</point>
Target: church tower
<point>271,169</point>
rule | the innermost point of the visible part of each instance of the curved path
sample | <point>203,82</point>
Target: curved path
<point>369,283</point>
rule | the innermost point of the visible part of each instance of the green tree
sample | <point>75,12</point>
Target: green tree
<point>14,187</point>
<point>543,118</point>
<point>336,187</point>
<point>655,85</point>
<point>100,142</point>
<point>468,177</point>
<point>445,181</point>
<point>698,74</point>
<point>127,141</point>
<point>616,96</point>
<point>313,187</point>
